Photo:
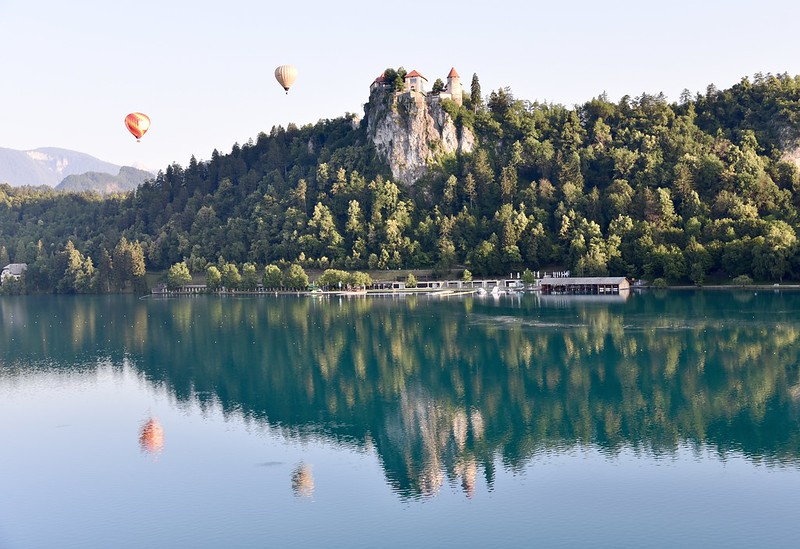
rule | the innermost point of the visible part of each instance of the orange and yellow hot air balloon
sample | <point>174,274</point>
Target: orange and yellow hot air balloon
<point>286,75</point>
<point>138,124</point>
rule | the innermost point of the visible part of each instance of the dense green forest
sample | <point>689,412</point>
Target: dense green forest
<point>693,191</point>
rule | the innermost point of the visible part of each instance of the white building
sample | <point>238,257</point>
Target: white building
<point>379,82</point>
<point>416,82</point>
<point>13,270</point>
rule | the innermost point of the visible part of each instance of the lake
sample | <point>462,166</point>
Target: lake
<point>658,420</point>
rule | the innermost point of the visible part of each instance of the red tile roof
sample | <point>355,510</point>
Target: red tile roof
<point>415,73</point>
<point>453,73</point>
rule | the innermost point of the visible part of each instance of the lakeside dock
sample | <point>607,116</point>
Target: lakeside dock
<point>588,286</point>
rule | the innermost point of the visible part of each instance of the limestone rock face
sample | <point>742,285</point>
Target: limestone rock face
<point>411,132</point>
<point>792,154</point>
<point>788,137</point>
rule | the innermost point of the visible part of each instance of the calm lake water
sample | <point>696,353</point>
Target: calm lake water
<point>660,420</point>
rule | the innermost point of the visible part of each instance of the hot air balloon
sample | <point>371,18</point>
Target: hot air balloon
<point>286,75</point>
<point>138,124</point>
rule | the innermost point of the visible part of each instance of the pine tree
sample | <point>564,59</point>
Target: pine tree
<point>469,189</point>
<point>121,263</point>
<point>475,93</point>
<point>105,271</point>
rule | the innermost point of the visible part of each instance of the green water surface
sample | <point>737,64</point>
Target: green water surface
<point>649,420</point>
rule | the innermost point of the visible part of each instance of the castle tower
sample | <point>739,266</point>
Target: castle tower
<point>454,87</point>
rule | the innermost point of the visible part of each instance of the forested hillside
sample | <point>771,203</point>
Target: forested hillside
<point>690,191</point>
<point>126,180</point>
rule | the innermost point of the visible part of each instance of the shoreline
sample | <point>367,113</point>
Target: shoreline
<point>456,292</point>
<point>724,287</point>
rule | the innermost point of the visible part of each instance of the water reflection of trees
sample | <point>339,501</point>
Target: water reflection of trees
<point>443,389</point>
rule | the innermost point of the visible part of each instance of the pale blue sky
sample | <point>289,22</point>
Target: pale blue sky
<point>203,71</point>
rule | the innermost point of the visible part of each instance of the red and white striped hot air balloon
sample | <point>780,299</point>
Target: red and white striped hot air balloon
<point>138,124</point>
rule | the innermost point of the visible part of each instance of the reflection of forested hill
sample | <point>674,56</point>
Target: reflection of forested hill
<point>441,389</point>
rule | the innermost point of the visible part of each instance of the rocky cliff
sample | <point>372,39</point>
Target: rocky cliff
<point>412,133</point>
<point>792,155</point>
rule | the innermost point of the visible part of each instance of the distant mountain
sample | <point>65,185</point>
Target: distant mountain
<point>104,183</point>
<point>47,166</point>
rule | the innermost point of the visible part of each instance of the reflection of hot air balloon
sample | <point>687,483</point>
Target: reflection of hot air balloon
<point>151,437</point>
<point>138,124</point>
<point>286,75</point>
<point>302,481</point>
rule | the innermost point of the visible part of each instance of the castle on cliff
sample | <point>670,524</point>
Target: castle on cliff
<point>416,85</point>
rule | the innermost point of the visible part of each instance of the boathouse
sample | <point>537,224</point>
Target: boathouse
<point>584,285</point>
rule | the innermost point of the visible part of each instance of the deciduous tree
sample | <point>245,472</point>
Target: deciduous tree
<point>178,276</point>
